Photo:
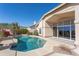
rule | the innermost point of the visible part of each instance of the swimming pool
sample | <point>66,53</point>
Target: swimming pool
<point>26,43</point>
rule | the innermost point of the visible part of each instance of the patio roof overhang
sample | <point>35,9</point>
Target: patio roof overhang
<point>61,16</point>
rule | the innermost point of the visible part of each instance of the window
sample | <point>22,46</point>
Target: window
<point>55,31</point>
<point>67,32</point>
<point>73,32</point>
<point>65,29</point>
<point>60,31</point>
<point>40,31</point>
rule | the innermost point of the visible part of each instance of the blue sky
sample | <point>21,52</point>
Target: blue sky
<point>24,13</point>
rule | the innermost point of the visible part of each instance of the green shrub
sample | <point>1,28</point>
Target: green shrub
<point>35,32</point>
<point>22,31</point>
<point>1,34</point>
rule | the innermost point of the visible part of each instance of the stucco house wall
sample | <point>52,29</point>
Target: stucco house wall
<point>40,28</point>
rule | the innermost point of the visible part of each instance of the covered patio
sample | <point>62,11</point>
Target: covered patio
<point>62,25</point>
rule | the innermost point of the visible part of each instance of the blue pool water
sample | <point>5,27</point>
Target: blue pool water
<point>26,43</point>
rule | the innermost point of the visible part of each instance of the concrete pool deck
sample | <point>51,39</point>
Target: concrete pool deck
<point>46,50</point>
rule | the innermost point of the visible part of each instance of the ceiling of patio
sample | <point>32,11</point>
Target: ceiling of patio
<point>61,17</point>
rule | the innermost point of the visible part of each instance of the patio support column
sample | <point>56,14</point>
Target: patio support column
<point>76,50</point>
<point>57,31</point>
<point>70,32</point>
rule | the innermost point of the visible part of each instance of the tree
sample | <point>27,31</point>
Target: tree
<point>24,31</point>
<point>15,28</point>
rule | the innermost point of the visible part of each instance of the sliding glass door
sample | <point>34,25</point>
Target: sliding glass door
<point>65,29</point>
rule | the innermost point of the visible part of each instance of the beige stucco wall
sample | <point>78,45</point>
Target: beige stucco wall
<point>76,50</point>
<point>40,26</point>
<point>77,25</point>
<point>48,30</point>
